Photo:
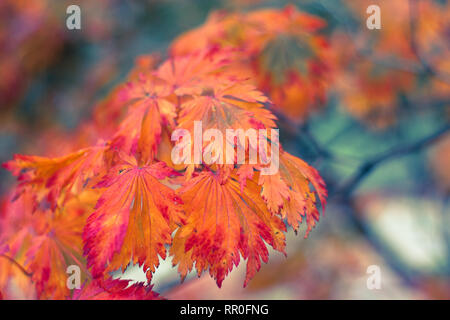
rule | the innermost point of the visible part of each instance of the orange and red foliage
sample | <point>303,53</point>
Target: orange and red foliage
<point>117,198</point>
<point>114,290</point>
<point>281,52</point>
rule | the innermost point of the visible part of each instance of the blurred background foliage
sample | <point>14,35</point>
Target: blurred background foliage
<point>380,138</point>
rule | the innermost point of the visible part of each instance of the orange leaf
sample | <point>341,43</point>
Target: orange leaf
<point>290,190</point>
<point>188,74</point>
<point>133,220</point>
<point>115,290</point>
<point>51,176</point>
<point>54,243</point>
<point>222,224</point>
<point>148,111</point>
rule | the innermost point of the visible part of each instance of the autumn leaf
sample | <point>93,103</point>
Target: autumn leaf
<point>114,290</point>
<point>274,191</point>
<point>15,214</point>
<point>133,219</point>
<point>222,224</point>
<point>289,192</point>
<point>213,33</point>
<point>280,52</point>
<point>293,61</point>
<point>231,106</point>
<point>244,172</point>
<point>50,177</point>
<point>188,74</point>
<point>118,203</point>
<point>15,231</point>
<point>46,242</point>
<point>237,105</point>
<point>58,244</point>
<point>148,110</point>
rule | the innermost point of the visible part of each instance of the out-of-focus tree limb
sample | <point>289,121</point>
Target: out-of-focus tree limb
<point>365,169</point>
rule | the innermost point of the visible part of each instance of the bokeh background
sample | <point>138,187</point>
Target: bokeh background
<point>380,138</point>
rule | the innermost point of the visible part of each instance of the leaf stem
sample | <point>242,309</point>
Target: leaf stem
<point>18,265</point>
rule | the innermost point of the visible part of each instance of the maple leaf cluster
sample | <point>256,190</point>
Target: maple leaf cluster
<point>278,51</point>
<point>117,198</point>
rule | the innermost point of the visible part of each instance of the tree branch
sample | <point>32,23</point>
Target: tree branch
<point>370,165</point>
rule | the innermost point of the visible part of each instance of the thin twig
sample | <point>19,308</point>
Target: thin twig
<point>18,265</point>
<point>370,165</point>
